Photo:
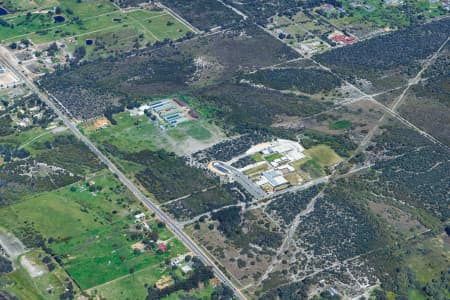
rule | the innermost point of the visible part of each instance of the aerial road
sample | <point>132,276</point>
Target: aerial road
<point>251,187</point>
<point>9,62</point>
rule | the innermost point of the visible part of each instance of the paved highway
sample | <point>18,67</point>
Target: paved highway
<point>9,62</point>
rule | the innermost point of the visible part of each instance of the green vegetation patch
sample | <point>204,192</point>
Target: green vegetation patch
<point>130,134</point>
<point>73,15</point>
<point>273,156</point>
<point>257,157</point>
<point>50,285</point>
<point>246,229</point>
<point>67,152</point>
<point>195,130</point>
<point>90,229</point>
<point>324,155</point>
<point>340,125</point>
<point>137,133</point>
<point>418,184</point>
<point>77,21</point>
<point>341,144</point>
<point>312,167</point>
<point>373,15</point>
<point>257,169</point>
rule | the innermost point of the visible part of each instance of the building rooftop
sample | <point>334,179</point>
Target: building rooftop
<point>275,178</point>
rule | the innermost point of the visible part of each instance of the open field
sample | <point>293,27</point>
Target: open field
<point>137,29</point>
<point>324,155</point>
<point>137,133</point>
<point>91,228</point>
<point>132,286</point>
<point>92,21</point>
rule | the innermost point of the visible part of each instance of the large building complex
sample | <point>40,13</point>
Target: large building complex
<point>170,112</point>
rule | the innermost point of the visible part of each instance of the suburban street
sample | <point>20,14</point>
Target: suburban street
<point>9,62</point>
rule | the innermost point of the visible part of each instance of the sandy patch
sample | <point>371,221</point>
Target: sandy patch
<point>33,269</point>
<point>12,245</point>
<point>164,282</point>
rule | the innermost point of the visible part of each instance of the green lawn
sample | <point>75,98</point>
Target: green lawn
<point>414,294</point>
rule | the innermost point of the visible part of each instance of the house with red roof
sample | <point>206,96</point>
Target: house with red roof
<point>162,247</point>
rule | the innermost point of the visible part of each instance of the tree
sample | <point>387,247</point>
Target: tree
<point>154,235</point>
<point>5,265</point>
<point>25,42</point>
<point>52,49</point>
<point>80,52</point>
